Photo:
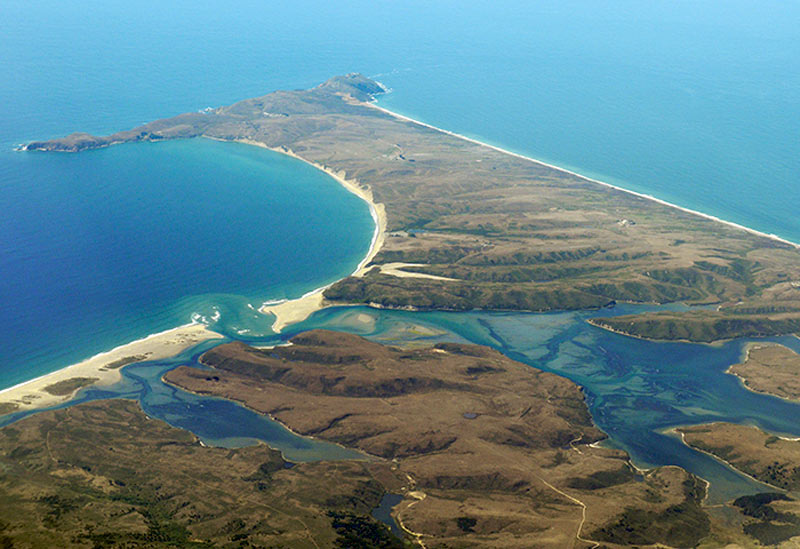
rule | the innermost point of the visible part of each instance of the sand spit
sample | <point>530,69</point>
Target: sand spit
<point>101,369</point>
<point>396,269</point>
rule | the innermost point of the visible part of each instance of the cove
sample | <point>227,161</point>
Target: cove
<point>108,246</point>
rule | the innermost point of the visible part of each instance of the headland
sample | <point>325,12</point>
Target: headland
<point>486,229</point>
<point>492,229</point>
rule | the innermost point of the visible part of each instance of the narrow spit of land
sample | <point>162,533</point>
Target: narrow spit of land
<point>494,230</point>
<point>101,369</point>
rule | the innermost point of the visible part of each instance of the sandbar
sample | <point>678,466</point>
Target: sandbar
<point>104,367</point>
<point>396,269</point>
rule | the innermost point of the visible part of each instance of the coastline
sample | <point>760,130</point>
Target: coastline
<point>676,431</point>
<point>367,456</point>
<point>715,343</point>
<point>31,394</point>
<point>100,369</point>
<point>103,368</point>
<point>650,197</point>
<point>752,346</point>
<point>291,311</point>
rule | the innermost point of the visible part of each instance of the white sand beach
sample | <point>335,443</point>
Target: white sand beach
<point>101,369</point>
<point>296,310</point>
<point>599,182</point>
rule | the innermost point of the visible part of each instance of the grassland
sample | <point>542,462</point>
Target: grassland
<point>103,474</point>
<point>771,369</point>
<point>772,518</point>
<point>496,453</point>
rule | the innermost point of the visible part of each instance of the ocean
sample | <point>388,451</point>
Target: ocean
<point>695,103</point>
<point>108,246</point>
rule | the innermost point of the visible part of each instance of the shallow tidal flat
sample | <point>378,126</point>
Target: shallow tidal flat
<point>627,391</point>
<point>477,436</point>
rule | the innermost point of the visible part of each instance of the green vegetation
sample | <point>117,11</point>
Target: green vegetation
<point>772,526</point>
<point>466,524</point>
<point>477,478</point>
<point>102,474</point>
<point>124,361</point>
<point>763,456</point>
<point>390,291</point>
<point>699,326</point>
<point>8,407</point>
<point>682,525</point>
<point>603,479</point>
<point>362,532</point>
<point>69,386</point>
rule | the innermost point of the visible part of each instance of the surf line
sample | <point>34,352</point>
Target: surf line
<point>710,217</point>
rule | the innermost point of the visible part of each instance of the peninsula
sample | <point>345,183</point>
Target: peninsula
<point>480,449</point>
<point>490,229</point>
<point>770,369</point>
<point>773,517</point>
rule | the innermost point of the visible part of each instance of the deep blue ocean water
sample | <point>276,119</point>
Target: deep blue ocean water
<point>694,102</point>
<point>111,245</point>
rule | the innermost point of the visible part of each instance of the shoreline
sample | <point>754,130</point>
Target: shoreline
<point>752,346</point>
<point>650,197</point>
<point>367,456</point>
<point>715,343</point>
<point>676,431</point>
<point>95,370</point>
<point>103,368</point>
<point>291,311</point>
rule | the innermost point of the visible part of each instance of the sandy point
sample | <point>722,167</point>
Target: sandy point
<point>101,369</point>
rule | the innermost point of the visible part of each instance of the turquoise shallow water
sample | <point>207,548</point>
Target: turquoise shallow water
<point>636,390</point>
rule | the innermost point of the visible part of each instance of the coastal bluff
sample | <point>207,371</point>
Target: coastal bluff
<point>476,227</point>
